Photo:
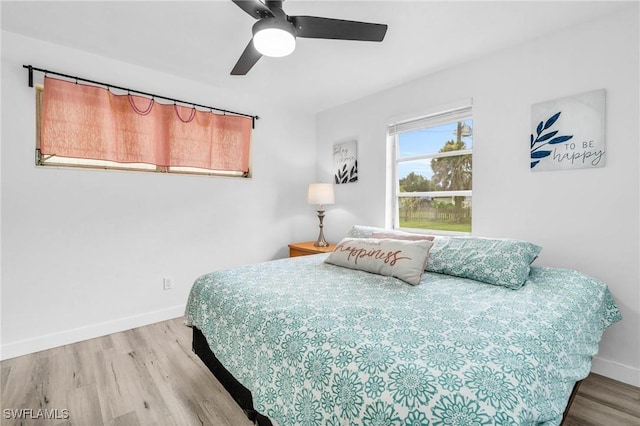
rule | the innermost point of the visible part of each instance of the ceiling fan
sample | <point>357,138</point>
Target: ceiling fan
<point>275,32</point>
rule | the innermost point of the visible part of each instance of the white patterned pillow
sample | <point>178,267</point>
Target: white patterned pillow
<point>501,262</point>
<point>361,231</point>
<point>402,259</point>
<point>399,235</point>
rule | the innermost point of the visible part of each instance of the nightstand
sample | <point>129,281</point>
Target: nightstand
<point>307,248</point>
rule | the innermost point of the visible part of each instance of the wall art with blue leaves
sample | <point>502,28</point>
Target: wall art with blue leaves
<point>568,133</point>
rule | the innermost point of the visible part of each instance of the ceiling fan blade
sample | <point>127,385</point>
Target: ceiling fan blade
<point>247,60</point>
<point>255,8</point>
<point>338,29</point>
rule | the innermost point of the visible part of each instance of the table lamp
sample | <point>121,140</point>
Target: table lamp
<point>321,194</point>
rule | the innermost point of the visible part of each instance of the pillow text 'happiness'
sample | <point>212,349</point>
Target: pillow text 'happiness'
<point>402,259</point>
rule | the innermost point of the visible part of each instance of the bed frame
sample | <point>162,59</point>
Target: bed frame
<point>242,395</point>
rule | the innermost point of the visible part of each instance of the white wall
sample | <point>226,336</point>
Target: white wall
<point>84,251</point>
<point>584,219</point>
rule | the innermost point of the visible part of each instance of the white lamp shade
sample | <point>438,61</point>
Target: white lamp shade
<point>274,42</point>
<point>321,193</point>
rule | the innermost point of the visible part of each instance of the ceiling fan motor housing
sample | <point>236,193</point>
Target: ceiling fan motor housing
<point>281,24</point>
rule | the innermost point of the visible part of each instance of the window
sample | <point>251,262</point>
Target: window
<point>432,172</point>
<point>91,127</point>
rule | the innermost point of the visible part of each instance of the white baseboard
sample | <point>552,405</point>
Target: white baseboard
<point>614,370</point>
<point>48,341</point>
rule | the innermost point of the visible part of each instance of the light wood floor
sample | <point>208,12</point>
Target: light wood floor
<point>149,376</point>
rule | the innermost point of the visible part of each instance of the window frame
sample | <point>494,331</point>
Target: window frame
<point>461,112</point>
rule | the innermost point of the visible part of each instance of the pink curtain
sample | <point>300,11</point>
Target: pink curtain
<point>82,121</point>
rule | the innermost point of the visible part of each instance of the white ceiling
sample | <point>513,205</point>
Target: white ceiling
<point>202,40</point>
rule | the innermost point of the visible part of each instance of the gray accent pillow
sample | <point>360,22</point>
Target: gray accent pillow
<point>402,259</point>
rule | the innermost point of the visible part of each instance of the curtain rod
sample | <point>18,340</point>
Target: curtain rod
<point>32,69</point>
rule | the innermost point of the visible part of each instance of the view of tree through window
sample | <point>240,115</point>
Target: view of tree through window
<point>433,176</point>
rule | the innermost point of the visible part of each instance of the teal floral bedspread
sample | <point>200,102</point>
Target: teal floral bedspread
<point>319,344</point>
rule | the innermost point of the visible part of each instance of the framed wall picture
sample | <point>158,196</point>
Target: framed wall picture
<point>568,133</point>
<point>345,162</point>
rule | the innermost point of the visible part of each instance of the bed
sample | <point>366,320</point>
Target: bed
<point>300,341</point>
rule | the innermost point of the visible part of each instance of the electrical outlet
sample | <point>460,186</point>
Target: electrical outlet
<point>167,283</point>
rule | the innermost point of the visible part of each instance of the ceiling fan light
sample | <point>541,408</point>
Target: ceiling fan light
<point>275,42</point>
<point>274,37</point>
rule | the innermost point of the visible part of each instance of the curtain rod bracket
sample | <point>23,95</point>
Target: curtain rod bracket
<point>30,75</point>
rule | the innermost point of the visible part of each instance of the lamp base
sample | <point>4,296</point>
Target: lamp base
<point>321,242</point>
